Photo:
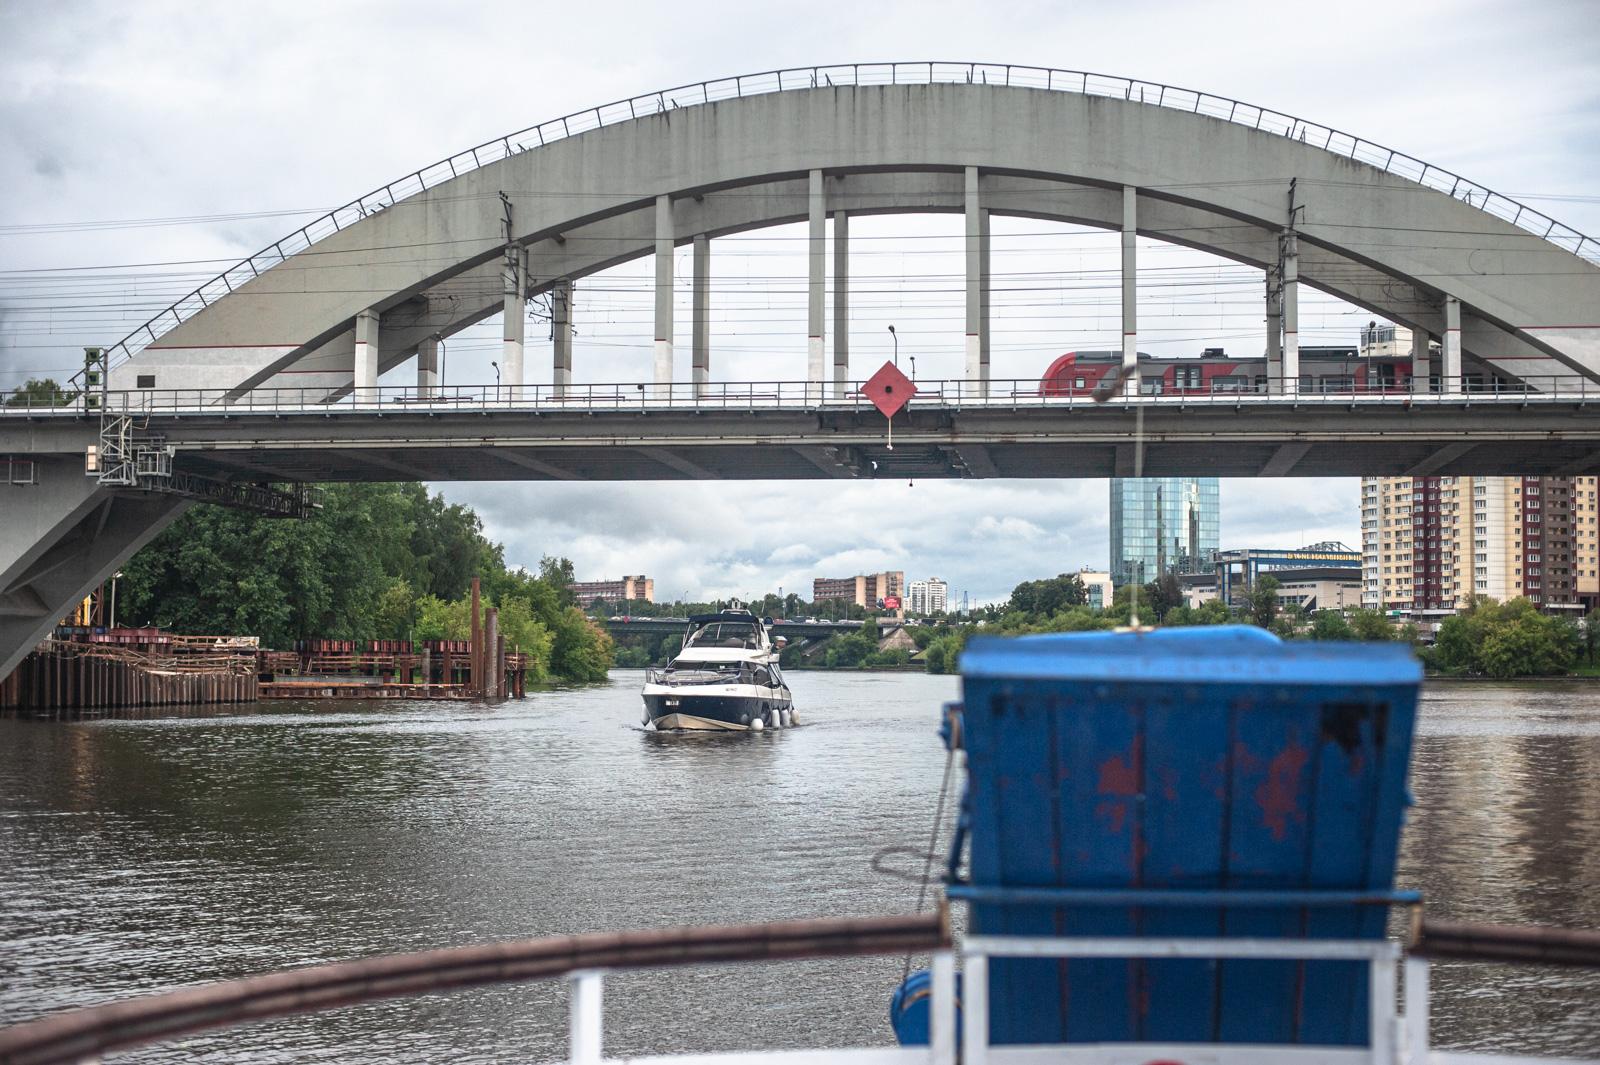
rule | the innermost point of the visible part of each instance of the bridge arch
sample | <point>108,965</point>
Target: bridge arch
<point>432,253</point>
<point>1390,234</point>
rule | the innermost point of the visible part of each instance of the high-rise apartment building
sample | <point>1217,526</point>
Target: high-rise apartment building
<point>864,590</point>
<point>1430,543</point>
<point>1163,525</point>
<point>931,596</point>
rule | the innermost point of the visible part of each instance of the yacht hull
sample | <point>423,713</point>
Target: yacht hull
<point>669,710</point>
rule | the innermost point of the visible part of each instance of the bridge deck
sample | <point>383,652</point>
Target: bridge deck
<point>1005,435</point>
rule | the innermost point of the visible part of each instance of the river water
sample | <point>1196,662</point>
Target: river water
<point>141,855</point>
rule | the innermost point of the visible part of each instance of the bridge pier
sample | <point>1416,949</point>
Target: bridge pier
<point>61,538</point>
<point>514,333</point>
<point>1421,360</point>
<point>427,366</point>
<point>366,359</point>
<point>1274,331</point>
<point>700,344</point>
<point>1451,353</point>
<point>1291,311</point>
<point>1130,290</point>
<point>841,303</point>
<point>561,337</point>
<point>977,229</point>
<point>663,344</point>
<point>816,288</point>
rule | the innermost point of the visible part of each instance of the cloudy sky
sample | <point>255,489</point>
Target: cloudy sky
<point>145,146</point>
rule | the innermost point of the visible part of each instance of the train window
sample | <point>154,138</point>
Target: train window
<point>1077,382</point>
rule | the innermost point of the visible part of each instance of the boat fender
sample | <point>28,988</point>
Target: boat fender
<point>910,1007</point>
<point>757,725</point>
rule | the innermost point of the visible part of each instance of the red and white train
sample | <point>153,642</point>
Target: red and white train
<point>1323,370</point>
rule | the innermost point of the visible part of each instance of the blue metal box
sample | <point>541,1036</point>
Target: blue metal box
<point>1266,778</point>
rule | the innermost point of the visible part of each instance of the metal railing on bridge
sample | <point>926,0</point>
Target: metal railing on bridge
<point>920,72</point>
<point>782,396</point>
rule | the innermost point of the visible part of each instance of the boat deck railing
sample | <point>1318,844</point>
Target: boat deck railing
<point>1397,1036</point>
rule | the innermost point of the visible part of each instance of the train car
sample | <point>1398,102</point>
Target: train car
<point>1323,370</point>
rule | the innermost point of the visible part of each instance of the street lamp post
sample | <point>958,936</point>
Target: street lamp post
<point>896,346</point>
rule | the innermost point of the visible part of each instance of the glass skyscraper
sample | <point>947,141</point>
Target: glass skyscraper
<point>1163,525</point>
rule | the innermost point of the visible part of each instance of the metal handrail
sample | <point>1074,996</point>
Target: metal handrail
<point>78,1034</point>
<point>920,72</point>
<point>955,394</point>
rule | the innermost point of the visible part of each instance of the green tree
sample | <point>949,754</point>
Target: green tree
<point>1163,594</point>
<point>1263,601</point>
<point>40,393</point>
<point>557,573</point>
<point>1370,625</point>
<point>1330,625</point>
<point>1509,639</point>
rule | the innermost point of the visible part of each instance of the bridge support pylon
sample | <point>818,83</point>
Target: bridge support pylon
<point>62,537</point>
<point>663,345</point>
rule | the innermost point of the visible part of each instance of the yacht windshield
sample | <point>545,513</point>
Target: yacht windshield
<point>737,634</point>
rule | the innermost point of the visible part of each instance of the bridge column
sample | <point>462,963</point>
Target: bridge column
<point>515,332</point>
<point>1421,361</point>
<point>1450,371</point>
<point>816,290</point>
<point>984,288</point>
<point>977,375</point>
<point>428,366</point>
<point>702,315</point>
<point>841,303</point>
<point>561,338</point>
<point>1291,313</point>
<point>663,352</point>
<point>1130,291</point>
<point>365,391</point>
<point>1274,331</point>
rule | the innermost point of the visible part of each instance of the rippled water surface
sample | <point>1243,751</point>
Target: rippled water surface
<point>140,855</point>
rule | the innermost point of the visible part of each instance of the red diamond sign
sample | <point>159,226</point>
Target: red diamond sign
<point>889,389</point>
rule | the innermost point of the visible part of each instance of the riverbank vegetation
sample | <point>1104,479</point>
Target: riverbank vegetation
<point>1488,639</point>
<point>376,562</point>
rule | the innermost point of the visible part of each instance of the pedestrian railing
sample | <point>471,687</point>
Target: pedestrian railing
<point>921,72</point>
<point>774,396</point>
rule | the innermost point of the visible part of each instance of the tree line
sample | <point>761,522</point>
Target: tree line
<point>375,562</point>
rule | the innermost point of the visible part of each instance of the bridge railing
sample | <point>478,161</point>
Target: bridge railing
<point>921,72</point>
<point>778,396</point>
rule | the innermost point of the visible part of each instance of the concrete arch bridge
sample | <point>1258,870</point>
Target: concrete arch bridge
<point>269,373</point>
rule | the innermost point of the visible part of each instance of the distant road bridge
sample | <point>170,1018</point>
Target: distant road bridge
<point>270,371</point>
<point>659,626</point>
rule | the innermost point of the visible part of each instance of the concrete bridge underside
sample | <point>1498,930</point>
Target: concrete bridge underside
<point>386,288</point>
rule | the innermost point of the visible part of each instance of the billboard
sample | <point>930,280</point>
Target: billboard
<point>891,602</point>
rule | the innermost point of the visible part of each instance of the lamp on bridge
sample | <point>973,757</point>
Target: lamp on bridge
<point>896,345</point>
<point>496,366</point>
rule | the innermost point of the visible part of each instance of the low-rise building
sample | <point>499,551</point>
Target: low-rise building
<point>1313,588</point>
<point>623,588</point>
<point>1098,585</point>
